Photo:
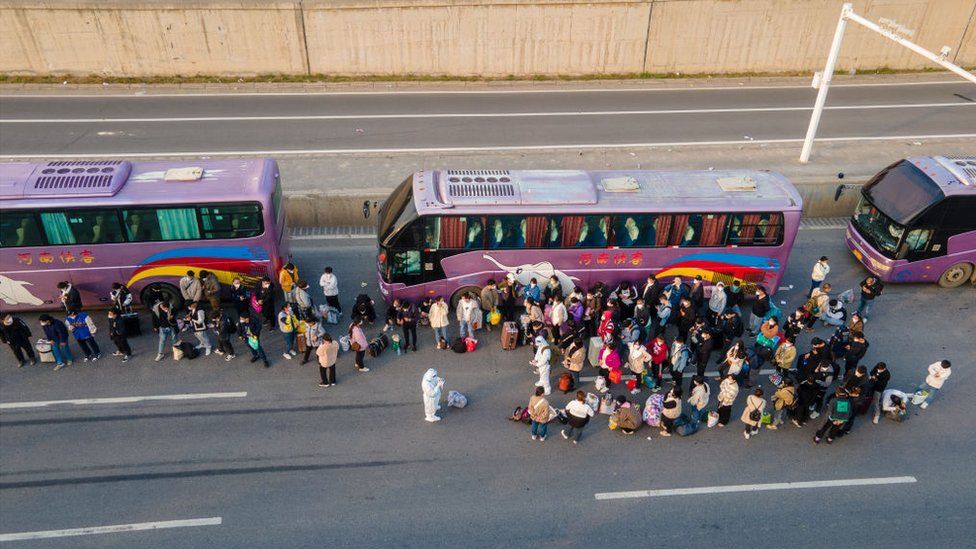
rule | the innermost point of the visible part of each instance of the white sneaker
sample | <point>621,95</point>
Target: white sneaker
<point>286,355</point>
<point>294,352</point>
<point>563,433</point>
<point>814,415</point>
<point>367,369</point>
<point>219,352</point>
<point>745,434</point>
<point>875,420</point>
<point>432,419</point>
<point>159,357</point>
<point>924,405</point>
<point>230,357</point>
<point>534,437</point>
<point>207,352</point>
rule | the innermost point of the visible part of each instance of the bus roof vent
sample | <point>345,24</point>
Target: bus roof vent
<point>737,184</point>
<point>476,173</point>
<point>963,167</point>
<point>78,177</point>
<point>620,185</point>
<point>492,192</point>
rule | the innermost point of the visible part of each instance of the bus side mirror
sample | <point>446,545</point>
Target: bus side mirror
<point>366,209</point>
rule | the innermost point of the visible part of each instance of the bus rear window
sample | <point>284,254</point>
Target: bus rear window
<point>902,192</point>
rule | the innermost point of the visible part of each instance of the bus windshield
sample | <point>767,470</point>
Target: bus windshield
<point>880,230</point>
<point>397,211</point>
<point>902,192</point>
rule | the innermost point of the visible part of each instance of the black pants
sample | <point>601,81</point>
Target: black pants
<point>702,363</point>
<point>668,424</point>
<point>605,374</point>
<point>122,344</point>
<point>309,350</point>
<point>19,346</point>
<point>328,374</point>
<point>677,377</point>
<point>89,347</point>
<point>724,414</point>
<point>224,346</point>
<point>849,365</point>
<point>829,429</point>
<point>409,334</point>
<point>360,356</point>
<point>267,311</point>
<point>333,301</point>
<point>508,310</point>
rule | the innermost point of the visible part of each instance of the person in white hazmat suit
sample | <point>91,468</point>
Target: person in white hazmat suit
<point>432,385</point>
<point>541,362</point>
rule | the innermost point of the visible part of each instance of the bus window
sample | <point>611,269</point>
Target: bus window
<point>406,263</point>
<point>593,233</point>
<point>233,221</point>
<point>713,230</point>
<point>455,233</point>
<point>755,229</point>
<point>154,224</point>
<point>19,229</point>
<point>918,239</point>
<point>686,231</point>
<point>506,231</point>
<point>635,231</point>
<point>82,227</point>
<point>564,231</point>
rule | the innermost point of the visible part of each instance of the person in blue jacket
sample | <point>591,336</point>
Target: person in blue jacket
<point>57,333</point>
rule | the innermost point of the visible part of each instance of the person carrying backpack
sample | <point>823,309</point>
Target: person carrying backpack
<point>840,411</point>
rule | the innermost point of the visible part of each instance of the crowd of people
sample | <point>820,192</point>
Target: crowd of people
<point>642,338</point>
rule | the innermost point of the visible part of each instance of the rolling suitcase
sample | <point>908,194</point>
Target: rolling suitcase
<point>130,320</point>
<point>509,336</point>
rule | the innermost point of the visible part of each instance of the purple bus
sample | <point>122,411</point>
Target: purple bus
<point>96,222</point>
<point>447,232</point>
<point>916,221</point>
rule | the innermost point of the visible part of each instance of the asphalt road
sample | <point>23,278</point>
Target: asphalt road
<point>208,124</point>
<point>293,465</point>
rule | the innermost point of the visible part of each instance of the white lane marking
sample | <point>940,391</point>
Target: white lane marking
<point>113,529</point>
<point>756,487</point>
<point>393,116</point>
<point>118,400</point>
<point>631,376</point>
<point>302,152</point>
<point>218,93</point>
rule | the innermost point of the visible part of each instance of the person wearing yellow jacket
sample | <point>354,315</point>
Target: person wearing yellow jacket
<point>288,279</point>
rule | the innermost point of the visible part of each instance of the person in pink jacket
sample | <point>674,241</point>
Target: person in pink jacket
<point>609,360</point>
<point>358,343</point>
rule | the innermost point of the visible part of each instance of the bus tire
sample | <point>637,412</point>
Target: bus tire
<point>956,275</point>
<point>457,295</point>
<point>169,292</point>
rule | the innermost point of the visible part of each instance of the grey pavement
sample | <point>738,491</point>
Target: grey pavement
<point>293,465</point>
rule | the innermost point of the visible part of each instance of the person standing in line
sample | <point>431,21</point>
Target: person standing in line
<point>164,323</point>
<point>117,333</point>
<point>467,309</point>
<point>190,287</point>
<point>680,355</point>
<point>573,359</point>
<point>197,318</point>
<point>83,328</point>
<point>56,332</point>
<point>839,412</point>
<point>70,297</point>
<point>784,400</point>
<point>871,288</point>
<point>358,343</point>
<point>939,372</point>
<point>249,330</point>
<point>330,289</point>
<point>658,348</point>
<point>558,316</point>
<point>728,389</point>
<point>759,310</point>
<point>671,410</point>
<point>579,414</point>
<point>752,415</point>
<point>651,293</point>
<point>240,297</point>
<point>638,358</point>
<point>439,320</point>
<point>542,363</point>
<point>539,414</point>
<point>664,312</point>
<point>266,300</point>
<point>328,354</point>
<point>533,291</point>
<point>288,326</point>
<point>287,279</point>
<point>699,397</point>
<point>225,327</point>
<point>314,337</point>
<point>211,290</point>
<point>15,333</point>
<point>407,319</point>
<point>734,297</point>
<point>879,378</point>
<point>697,295</point>
<point>304,308</point>
<point>717,302</point>
<point>120,297</point>
<point>432,385</point>
<point>489,301</point>
<point>784,357</point>
<point>854,351</point>
<point>806,394</point>
<point>820,271</point>
<point>507,292</point>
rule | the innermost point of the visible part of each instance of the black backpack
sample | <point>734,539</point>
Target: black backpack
<point>459,346</point>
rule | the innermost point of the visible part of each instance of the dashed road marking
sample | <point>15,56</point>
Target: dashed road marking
<point>112,529</point>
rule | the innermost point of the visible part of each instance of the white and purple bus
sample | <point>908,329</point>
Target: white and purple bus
<point>144,224</point>
<point>916,221</point>
<point>447,232</point>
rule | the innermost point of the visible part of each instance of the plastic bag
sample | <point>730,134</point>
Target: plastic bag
<point>494,317</point>
<point>601,384</point>
<point>592,401</point>
<point>652,410</point>
<point>712,419</point>
<point>456,399</point>
<point>919,397</point>
<point>846,296</point>
<point>344,343</point>
<point>766,418</point>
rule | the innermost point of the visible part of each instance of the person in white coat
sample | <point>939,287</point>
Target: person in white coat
<point>717,301</point>
<point>432,385</point>
<point>467,311</point>
<point>939,372</point>
<point>543,354</point>
<point>330,289</point>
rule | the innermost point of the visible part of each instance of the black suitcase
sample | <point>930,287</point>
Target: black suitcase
<point>131,322</point>
<point>376,346</point>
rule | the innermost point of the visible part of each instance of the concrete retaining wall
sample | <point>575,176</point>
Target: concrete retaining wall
<point>463,37</point>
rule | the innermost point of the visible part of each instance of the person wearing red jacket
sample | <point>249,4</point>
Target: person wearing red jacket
<point>659,355</point>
